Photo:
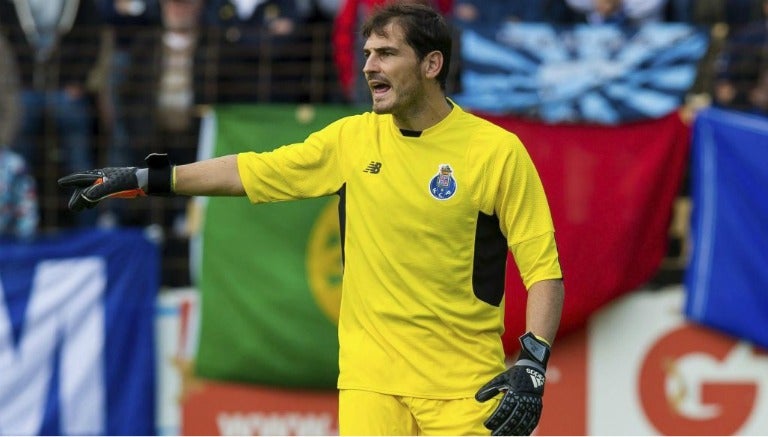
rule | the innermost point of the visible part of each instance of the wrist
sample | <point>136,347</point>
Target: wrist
<point>142,178</point>
<point>160,175</point>
<point>173,179</point>
<point>534,349</point>
<point>543,340</point>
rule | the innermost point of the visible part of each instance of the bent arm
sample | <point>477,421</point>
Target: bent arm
<point>211,177</point>
<point>544,307</point>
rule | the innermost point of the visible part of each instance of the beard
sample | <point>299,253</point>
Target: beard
<point>401,99</point>
<point>399,102</point>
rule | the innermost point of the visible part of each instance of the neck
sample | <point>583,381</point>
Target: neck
<point>432,110</point>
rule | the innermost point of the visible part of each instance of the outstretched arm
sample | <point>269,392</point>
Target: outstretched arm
<point>211,177</point>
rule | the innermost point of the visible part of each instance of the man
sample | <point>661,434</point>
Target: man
<point>19,210</point>
<point>55,48</point>
<point>254,45</point>
<point>621,12</point>
<point>432,199</point>
<point>740,65</point>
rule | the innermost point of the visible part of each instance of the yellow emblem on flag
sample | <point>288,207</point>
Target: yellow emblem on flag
<point>324,266</point>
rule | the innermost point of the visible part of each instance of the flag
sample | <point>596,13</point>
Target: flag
<point>602,74</point>
<point>270,274</point>
<point>726,279</point>
<point>77,334</point>
<point>611,190</point>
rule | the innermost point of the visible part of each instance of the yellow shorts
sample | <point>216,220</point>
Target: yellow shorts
<point>370,413</point>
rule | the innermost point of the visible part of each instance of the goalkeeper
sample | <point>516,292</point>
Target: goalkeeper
<point>432,200</point>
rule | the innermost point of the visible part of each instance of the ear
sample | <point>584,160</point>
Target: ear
<point>432,64</point>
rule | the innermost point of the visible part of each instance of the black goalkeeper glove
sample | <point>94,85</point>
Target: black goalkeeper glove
<point>523,386</point>
<point>93,186</point>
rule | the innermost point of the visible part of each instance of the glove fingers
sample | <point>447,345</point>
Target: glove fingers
<point>73,204</point>
<point>518,423</point>
<point>516,415</point>
<point>486,393</point>
<point>500,415</point>
<point>491,389</point>
<point>521,426</point>
<point>79,202</point>
<point>79,179</point>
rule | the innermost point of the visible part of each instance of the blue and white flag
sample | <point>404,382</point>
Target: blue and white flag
<point>77,334</point>
<point>727,277</point>
<point>603,74</point>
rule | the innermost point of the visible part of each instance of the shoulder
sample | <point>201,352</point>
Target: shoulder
<point>487,132</point>
<point>366,120</point>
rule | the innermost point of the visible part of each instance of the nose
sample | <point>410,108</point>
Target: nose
<point>371,64</point>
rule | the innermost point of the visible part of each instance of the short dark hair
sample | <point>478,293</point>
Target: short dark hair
<point>425,30</point>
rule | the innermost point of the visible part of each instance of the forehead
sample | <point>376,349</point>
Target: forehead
<point>392,35</point>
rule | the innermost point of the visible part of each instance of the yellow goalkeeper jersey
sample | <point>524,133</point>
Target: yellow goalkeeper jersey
<point>426,221</point>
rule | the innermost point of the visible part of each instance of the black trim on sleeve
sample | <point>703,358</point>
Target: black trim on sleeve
<point>342,217</point>
<point>490,261</point>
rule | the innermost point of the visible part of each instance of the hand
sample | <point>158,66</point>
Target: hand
<point>93,186</point>
<point>522,386</point>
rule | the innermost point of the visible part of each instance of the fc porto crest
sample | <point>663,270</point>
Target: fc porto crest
<point>443,184</point>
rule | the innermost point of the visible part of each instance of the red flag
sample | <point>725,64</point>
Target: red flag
<point>611,190</point>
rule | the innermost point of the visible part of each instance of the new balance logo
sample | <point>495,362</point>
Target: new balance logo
<point>373,168</point>
<point>536,378</point>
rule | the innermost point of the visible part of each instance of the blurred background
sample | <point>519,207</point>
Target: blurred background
<point>210,316</point>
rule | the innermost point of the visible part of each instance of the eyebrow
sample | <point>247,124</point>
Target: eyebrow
<point>392,49</point>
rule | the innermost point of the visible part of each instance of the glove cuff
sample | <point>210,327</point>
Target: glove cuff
<point>533,349</point>
<point>160,175</point>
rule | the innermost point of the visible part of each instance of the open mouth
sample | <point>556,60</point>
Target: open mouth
<point>379,88</point>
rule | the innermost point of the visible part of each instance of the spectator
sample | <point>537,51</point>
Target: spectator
<point>326,9</point>
<point>623,12</point>
<point>55,46</point>
<point>740,66</point>
<point>10,105</point>
<point>758,94</point>
<point>156,102</point>
<point>19,214</point>
<point>122,21</point>
<point>175,84</point>
<point>18,197</point>
<point>253,45</point>
<point>681,11</point>
<point>347,44</point>
<point>492,12</point>
<point>320,82</point>
<point>734,13</point>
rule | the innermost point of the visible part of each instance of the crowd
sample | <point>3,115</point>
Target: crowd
<point>93,83</point>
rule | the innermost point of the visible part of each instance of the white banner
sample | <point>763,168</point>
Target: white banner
<point>652,373</point>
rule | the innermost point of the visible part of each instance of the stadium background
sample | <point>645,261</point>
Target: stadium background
<point>211,316</point>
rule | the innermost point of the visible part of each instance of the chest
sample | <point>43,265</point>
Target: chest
<point>415,179</point>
